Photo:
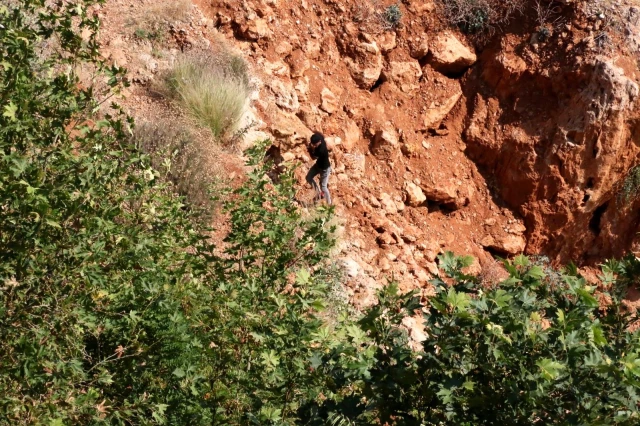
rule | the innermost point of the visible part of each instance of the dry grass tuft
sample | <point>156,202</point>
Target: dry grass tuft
<point>212,89</point>
<point>152,23</point>
<point>181,154</point>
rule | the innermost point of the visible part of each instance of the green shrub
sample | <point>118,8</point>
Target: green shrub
<point>212,90</point>
<point>529,351</point>
<point>152,22</point>
<point>114,307</point>
<point>143,34</point>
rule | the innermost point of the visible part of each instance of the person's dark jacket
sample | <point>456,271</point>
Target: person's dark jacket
<point>321,155</point>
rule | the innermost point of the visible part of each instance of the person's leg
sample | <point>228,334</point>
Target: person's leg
<point>313,172</point>
<point>324,182</point>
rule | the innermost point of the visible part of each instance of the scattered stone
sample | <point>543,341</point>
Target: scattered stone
<point>351,135</point>
<point>435,115</point>
<point>366,65</point>
<point>284,48</point>
<point>430,249</point>
<point>285,95</point>
<point>299,63</point>
<point>257,29</point>
<point>414,195</point>
<point>508,244</point>
<point>311,49</point>
<point>355,163</point>
<point>419,49</point>
<point>387,203</point>
<point>385,139</point>
<point>417,334</point>
<point>451,193</point>
<point>351,267</point>
<point>329,101</point>
<point>288,128</point>
<point>384,264</point>
<point>387,41</point>
<point>405,75</point>
<point>421,6</point>
<point>386,239</point>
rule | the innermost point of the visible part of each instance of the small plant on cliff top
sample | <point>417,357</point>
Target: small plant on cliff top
<point>392,16</point>
<point>478,16</point>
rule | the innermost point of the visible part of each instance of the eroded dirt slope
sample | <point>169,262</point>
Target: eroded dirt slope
<point>517,143</point>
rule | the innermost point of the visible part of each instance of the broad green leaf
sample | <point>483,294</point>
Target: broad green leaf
<point>457,300</point>
<point>521,260</point>
<point>535,272</point>
<point>598,335</point>
<point>10,111</point>
<point>587,298</point>
<point>549,368</point>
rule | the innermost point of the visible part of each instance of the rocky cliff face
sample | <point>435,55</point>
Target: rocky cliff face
<point>518,145</point>
<point>558,145</point>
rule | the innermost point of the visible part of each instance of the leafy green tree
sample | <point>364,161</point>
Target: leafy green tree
<point>539,347</point>
<point>114,307</point>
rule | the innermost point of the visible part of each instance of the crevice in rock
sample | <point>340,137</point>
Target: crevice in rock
<point>444,208</point>
<point>378,83</point>
<point>596,220</point>
<point>454,75</point>
<point>495,252</point>
<point>425,60</point>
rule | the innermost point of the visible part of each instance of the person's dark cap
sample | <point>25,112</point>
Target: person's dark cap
<point>317,137</point>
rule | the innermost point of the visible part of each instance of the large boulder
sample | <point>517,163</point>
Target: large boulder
<point>439,103</point>
<point>288,128</point>
<point>351,135</point>
<point>506,244</point>
<point>256,29</point>
<point>438,111</point>
<point>451,193</point>
<point>299,63</point>
<point>449,55</point>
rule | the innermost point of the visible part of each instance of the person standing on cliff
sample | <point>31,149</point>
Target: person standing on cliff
<point>320,152</point>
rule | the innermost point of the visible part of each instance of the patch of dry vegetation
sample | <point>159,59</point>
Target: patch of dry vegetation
<point>152,22</point>
<point>184,156</point>
<point>480,16</point>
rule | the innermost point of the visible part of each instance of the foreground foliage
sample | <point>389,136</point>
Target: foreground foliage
<point>116,309</point>
<point>537,348</point>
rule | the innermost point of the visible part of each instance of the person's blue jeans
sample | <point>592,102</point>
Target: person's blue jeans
<point>324,181</point>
